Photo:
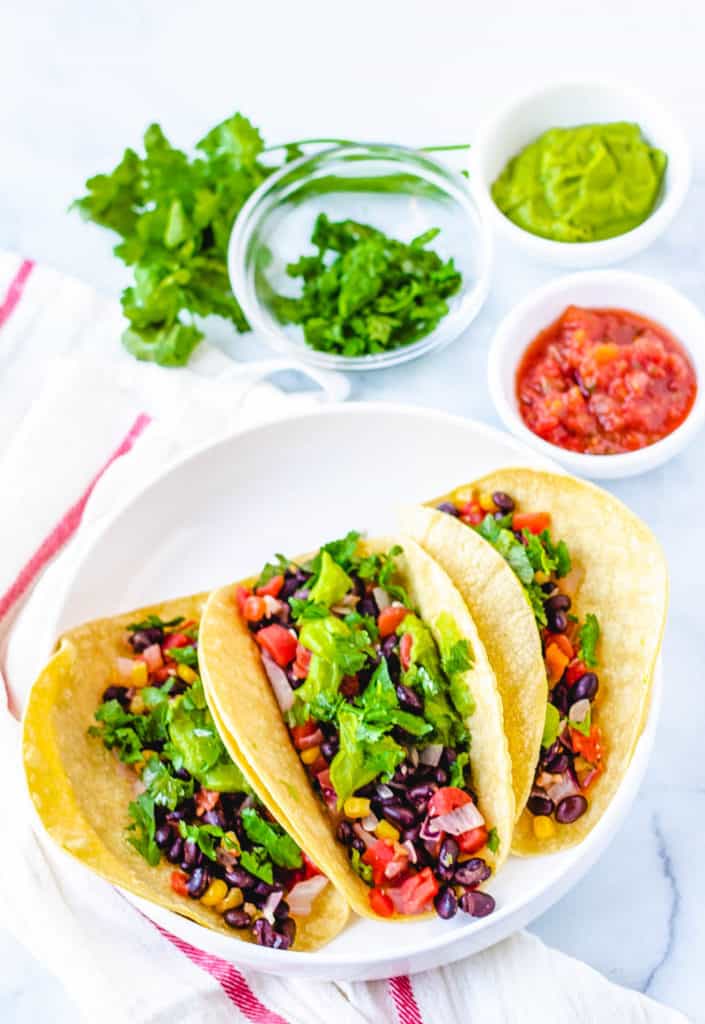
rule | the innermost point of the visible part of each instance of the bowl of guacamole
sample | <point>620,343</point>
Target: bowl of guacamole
<point>582,174</point>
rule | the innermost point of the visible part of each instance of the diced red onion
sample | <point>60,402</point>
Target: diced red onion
<point>395,867</point>
<point>153,657</point>
<point>301,897</point>
<point>411,850</point>
<point>579,710</point>
<point>301,594</point>
<point>429,832</point>
<point>384,792</point>
<point>272,605</point>
<point>563,785</point>
<point>462,819</point>
<point>124,667</point>
<point>370,822</point>
<point>432,754</point>
<point>360,832</point>
<point>382,598</point>
<point>280,684</point>
<point>343,607</point>
<point>271,904</point>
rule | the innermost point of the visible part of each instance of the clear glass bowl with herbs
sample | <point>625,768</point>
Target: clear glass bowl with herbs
<point>361,256</point>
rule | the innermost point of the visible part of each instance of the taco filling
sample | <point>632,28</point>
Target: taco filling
<point>377,709</point>
<point>192,805</point>
<point>571,755</point>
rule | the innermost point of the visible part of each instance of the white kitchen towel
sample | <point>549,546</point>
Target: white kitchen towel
<point>98,429</point>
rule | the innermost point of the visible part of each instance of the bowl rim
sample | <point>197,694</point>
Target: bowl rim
<point>675,187</point>
<point>597,466</point>
<point>450,180</point>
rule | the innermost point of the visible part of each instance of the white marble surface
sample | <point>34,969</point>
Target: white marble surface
<point>81,80</point>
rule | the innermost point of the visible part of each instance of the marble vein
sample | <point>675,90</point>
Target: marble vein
<point>669,875</point>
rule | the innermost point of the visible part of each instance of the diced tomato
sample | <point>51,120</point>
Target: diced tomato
<point>177,640</point>
<point>312,739</point>
<point>278,642</point>
<point>206,799</point>
<point>391,617</point>
<point>447,799</point>
<point>378,856</point>
<point>179,882</point>
<point>381,903</point>
<point>324,779</point>
<point>299,733</point>
<point>319,765</point>
<point>561,641</point>
<point>241,595</point>
<point>405,645</point>
<point>472,840</point>
<point>254,609</point>
<point>272,587</point>
<point>162,674</point>
<point>302,662</point>
<point>152,656</point>
<point>472,513</point>
<point>310,868</point>
<point>417,891</point>
<point>576,670</point>
<point>589,747</point>
<point>556,662</point>
<point>534,522</point>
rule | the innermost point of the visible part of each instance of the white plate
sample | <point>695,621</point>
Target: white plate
<point>289,486</point>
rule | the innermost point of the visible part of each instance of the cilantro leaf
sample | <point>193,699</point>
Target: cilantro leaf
<point>185,655</point>
<point>257,862</point>
<point>163,787</point>
<point>363,870</point>
<point>272,569</point>
<point>588,636</point>
<point>279,845</point>
<point>204,837</point>
<point>493,840</point>
<point>458,769</point>
<point>511,549</point>
<point>303,609</point>
<point>142,829</point>
<point>551,726</point>
<point>154,622</point>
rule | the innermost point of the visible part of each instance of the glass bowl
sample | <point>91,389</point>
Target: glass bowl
<point>403,192</point>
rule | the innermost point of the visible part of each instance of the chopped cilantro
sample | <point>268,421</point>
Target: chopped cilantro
<point>458,769</point>
<point>588,635</point>
<point>280,847</point>
<point>154,622</point>
<point>257,862</point>
<point>163,787</point>
<point>551,726</point>
<point>363,870</point>
<point>303,609</point>
<point>493,840</point>
<point>204,837</point>
<point>185,655</point>
<point>142,829</point>
<point>272,569</point>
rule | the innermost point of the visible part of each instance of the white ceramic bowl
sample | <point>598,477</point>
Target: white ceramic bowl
<point>563,105</point>
<point>598,289</point>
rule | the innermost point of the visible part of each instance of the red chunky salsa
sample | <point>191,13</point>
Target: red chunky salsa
<point>604,381</point>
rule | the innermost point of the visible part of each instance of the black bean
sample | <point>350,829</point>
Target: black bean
<point>198,882</point>
<point>175,851</point>
<point>570,809</point>
<point>118,693</point>
<point>443,874</point>
<point>477,904</point>
<point>585,687</point>
<point>264,889</point>
<point>389,643</point>
<point>265,934</point>
<point>420,793</point>
<point>287,931</point>
<point>448,507</point>
<point>367,606</point>
<point>141,639</point>
<point>411,835</point>
<point>358,844</point>
<point>408,699</point>
<point>345,833</point>
<point>182,774</point>
<point>214,817</point>
<point>557,621</point>
<point>162,837</point>
<point>237,918</point>
<point>403,817</point>
<point>441,776</point>
<point>557,765</point>
<point>449,755</point>
<point>559,697</point>
<point>239,878</point>
<point>329,748</point>
<point>472,872</point>
<point>446,903</point>
<point>540,805</point>
<point>558,603</point>
<point>281,911</point>
<point>548,588</point>
<point>449,853</point>
<point>503,501</point>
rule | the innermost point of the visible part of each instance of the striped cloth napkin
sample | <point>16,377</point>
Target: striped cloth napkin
<point>82,432</point>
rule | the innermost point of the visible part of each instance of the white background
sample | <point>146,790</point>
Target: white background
<point>81,80</point>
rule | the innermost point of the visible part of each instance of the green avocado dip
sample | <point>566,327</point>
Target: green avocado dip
<point>582,184</point>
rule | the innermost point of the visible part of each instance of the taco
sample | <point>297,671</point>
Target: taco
<point>569,592</point>
<point>358,675</point>
<point>129,774</point>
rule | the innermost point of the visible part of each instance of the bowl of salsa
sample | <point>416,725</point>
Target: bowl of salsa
<point>602,371</point>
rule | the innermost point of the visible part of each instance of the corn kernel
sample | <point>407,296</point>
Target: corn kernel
<point>232,900</point>
<point>386,831</point>
<point>541,577</point>
<point>543,827</point>
<point>251,909</point>
<point>311,755</point>
<point>186,673</point>
<point>356,807</point>
<point>137,704</point>
<point>485,502</point>
<point>215,892</point>
<point>462,496</point>
<point>139,676</point>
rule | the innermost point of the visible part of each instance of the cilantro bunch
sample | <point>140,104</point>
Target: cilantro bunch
<point>364,292</point>
<point>174,215</point>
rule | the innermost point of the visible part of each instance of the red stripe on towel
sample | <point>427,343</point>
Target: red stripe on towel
<point>404,1000</point>
<point>230,980</point>
<point>14,292</point>
<point>67,526</point>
